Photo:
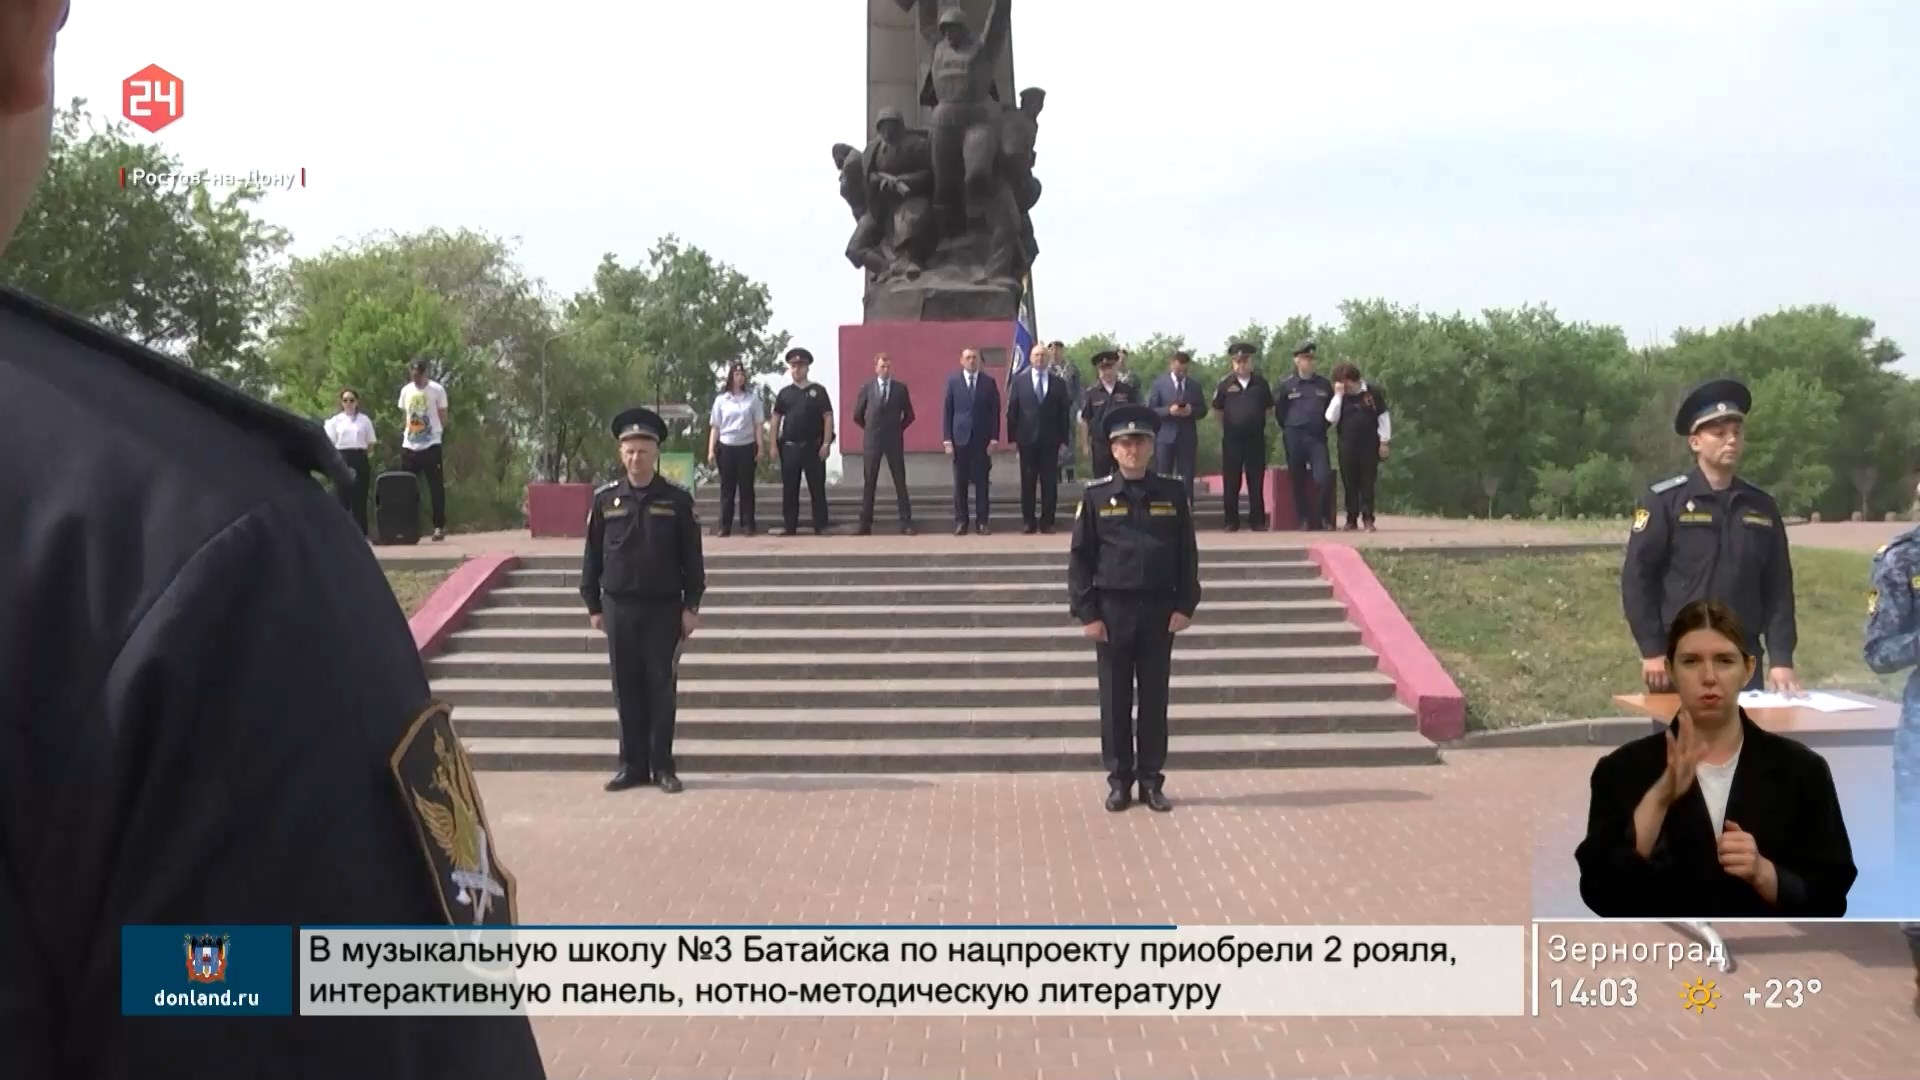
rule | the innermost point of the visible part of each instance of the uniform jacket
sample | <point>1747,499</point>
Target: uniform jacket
<point>1301,403</point>
<point>1893,644</point>
<point>1180,431</point>
<point>971,417</point>
<point>212,713</point>
<point>1689,542</point>
<point>1133,536</point>
<point>1783,794</point>
<point>1096,399</point>
<point>643,544</point>
<point>1243,410</point>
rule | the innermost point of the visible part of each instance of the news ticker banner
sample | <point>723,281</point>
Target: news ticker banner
<point>828,971</point>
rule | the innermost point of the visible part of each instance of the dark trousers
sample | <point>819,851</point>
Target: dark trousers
<point>886,452</point>
<point>426,464</point>
<point>1176,459</point>
<point>643,640</point>
<point>970,467</point>
<point>1039,476</point>
<point>736,483</point>
<point>1359,468</point>
<point>1138,652</point>
<point>1307,455</point>
<point>798,460</point>
<point>1099,458</point>
<point>1245,456</point>
<point>353,493</point>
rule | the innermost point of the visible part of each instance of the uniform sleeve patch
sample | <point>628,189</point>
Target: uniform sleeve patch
<point>1669,483</point>
<point>1640,518</point>
<point>443,804</point>
<point>1873,601</point>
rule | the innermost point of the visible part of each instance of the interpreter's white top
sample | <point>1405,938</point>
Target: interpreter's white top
<point>353,432</point>
<point>422,406</point>
<point>737,416</point>
<point>1716,783</point>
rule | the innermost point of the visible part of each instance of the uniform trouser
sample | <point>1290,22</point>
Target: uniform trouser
<point>890,453</point>
<point>1177,459</point>
<point>970,465</point>
<point>798,460</point>
<point>353,493</point>
<point>426,463</point>
<point>1039,483</point>
<point>1245,455</point>
<point>1308,454</point>
<point>736,483</point>
<point>1359,468</point>
<point>643,639</point>
<point>1138,653</point>
<point>1906,816</point>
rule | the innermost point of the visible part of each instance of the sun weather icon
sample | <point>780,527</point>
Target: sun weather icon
<point>1699,995</point>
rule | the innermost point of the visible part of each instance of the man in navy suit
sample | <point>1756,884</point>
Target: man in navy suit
<point>970,426</point>
<point>1040,422</point>
<point>1180,405</point>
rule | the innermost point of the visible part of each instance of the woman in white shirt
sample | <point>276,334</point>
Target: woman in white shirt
<point>733,446</point>
<point>352,435</point>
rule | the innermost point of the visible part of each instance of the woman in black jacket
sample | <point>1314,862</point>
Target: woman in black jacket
<point>1714,818</point>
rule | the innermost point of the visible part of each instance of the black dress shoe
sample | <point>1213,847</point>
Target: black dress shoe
<point>669,783</point>
<point>746,530</point>
<point>864,530</point>
<point>1029,529</point>
<point>1047,530</point>
<point>906,530</point>
<point>1232,527</point>
<point>1155,799</point>
<point>982,529</point>
<point>960,530</point>
<point>1118,799</point>
<point>624,780</point>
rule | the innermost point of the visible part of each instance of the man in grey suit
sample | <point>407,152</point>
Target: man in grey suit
<point>1180,404</point>
<point>884,411</point>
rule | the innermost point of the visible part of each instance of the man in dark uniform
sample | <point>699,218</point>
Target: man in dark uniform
<point>1133,582</point>
<point>1893,645</point>
<point>1243,399</point>
<point>803,431</point>
<point>212,713</point>
<point>1707,534</point>
<point>1305,397</point>
<point>643,565</point>
<point>1106,393</point>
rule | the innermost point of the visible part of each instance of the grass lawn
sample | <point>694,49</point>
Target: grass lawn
<point>412,587</point>
<point>1532,638</point>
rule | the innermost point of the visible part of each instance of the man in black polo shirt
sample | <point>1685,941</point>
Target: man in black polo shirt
<point>1242,399</point>
<point>803,429</point>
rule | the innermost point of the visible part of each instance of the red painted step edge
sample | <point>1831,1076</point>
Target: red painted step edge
<point>447,608</point>
<point>1420,682</point>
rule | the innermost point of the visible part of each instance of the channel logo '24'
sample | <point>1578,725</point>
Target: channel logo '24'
<point>207,958</point>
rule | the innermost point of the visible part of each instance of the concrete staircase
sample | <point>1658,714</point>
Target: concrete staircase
<point>932,507</point>
<point>898,662</point>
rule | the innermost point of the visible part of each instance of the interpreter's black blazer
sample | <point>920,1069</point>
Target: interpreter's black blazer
<point>1783,794</point>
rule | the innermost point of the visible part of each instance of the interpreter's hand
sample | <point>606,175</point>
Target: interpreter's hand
<point>712,459</point>
<point>1740,855</point>
<point>826,448</point>
<point>689,622</point>
<point>1097,630</point>
<point>1383,451</point>
<point>948,447</point>
<point>1781,680</point>
<point>1653,672</point>
<point>598,622</point>
<point>1178,622</point>
<point>1683,760</point>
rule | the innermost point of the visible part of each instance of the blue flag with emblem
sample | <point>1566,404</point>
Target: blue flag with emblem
<point>1023,334</point>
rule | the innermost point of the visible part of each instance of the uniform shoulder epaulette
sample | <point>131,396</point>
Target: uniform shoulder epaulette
<point>1107,479</point>
<point>1669,484</point>
<point>300,441</point>
<point>1911,536</point>
<point>608,486</point>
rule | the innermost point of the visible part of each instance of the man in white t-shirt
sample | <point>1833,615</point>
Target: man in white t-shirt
<point>423,402</point>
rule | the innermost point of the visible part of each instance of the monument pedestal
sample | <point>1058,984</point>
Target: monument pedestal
<point>558,509</point>
<point>924,354</point>
<point>1281,513</point>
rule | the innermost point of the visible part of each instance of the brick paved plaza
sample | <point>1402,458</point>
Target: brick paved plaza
<point>1433,844</point>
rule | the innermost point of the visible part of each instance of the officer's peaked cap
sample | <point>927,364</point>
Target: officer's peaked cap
<point>639,423</point>
<point>1241,348</point>
<point>887,114</point>
<point>1102,359</point>
<point>799,356</point>
<point>1128,420</point>
<point>952,13</point>
<point>1305,348</point>
<point>1712,401</point>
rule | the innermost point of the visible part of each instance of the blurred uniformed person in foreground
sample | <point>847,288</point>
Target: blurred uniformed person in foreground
<point>211,709</point>
<point>1893,644</point>
<point>1133,582</point>
<point>1709,535</point>
<point>642,579</point>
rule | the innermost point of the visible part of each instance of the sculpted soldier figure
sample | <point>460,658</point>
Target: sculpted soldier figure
<point>966,136</point>
<point>887,186</point>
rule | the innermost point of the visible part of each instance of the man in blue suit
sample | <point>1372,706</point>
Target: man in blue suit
<point>1180,405</point>
<point>970,425</point>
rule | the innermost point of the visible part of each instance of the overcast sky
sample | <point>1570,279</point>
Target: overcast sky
<point>1647,164</point>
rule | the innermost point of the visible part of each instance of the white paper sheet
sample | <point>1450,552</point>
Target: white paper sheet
<point>1813,699</point>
